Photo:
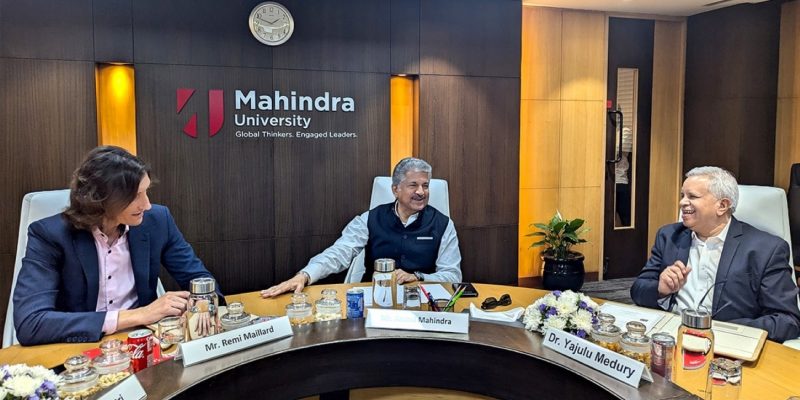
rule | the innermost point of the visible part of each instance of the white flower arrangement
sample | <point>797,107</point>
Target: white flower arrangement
<point>568,311</point>
<point>20,381</point>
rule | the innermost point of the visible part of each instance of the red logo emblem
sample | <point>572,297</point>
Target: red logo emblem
<point>215,111</point>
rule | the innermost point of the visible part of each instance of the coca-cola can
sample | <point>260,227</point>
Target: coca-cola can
<point>140,346</point>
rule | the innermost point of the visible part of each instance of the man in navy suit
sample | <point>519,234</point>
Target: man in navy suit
<point>93,269</point>
<point>745,271</point>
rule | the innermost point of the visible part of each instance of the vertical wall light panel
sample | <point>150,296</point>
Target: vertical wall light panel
<point>403,118</point>
<point>116,106</point>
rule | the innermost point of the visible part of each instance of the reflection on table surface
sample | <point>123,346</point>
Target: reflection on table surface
<point>773,376</point>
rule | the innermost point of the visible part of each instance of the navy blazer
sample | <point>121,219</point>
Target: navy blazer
<point>758,291</point>
<point>56,293</point>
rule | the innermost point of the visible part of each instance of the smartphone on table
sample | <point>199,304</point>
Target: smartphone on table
<point>470,291</point>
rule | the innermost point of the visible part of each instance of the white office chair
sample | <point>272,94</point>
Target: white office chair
<point>439,198</point>
<point>765,208</point>
<point>35,206</point>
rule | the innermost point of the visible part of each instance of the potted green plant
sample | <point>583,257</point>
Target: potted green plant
<point>563,268</point>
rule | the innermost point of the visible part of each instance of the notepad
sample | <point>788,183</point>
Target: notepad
<point>731,340</point>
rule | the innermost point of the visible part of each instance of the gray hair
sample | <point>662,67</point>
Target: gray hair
<point>721,183</point>
<point>409,164</point>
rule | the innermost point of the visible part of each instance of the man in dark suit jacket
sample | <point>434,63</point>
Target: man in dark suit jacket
<point>65,266</point>
<point>750,274</point>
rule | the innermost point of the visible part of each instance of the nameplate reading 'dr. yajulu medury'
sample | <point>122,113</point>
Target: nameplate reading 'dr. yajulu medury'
<point>417,320</point>
<point>606,361</point>
<point>229,342</point>
<point>129,389</point>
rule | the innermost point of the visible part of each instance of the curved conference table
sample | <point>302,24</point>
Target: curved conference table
<point>493,360</point>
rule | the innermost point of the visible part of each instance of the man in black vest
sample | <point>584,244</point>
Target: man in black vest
<point>420,239</point>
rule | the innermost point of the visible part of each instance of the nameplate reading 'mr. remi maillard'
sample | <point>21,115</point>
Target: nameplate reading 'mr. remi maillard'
<point>129,389</point>
<point>606,361</point>
<point>219,345</point>
<point>417,320</point>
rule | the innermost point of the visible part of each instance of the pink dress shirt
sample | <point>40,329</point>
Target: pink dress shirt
<point>117,288</point>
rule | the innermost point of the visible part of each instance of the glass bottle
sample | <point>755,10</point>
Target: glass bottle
<point>383,283</point>
<point>605,333</point>
<point>635,344</point>
<point>235,317</point>
<point>79,379</point>
<point>201,316</point>
<point>329,307</point>
<point>114,364</point>
<point>299,310</point>
<point>695,350</point>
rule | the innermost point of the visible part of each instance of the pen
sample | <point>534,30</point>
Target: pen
<point>430,299</point>
<point>455,297</point>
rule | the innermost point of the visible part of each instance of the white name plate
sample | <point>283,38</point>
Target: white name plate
<point>606,361</point>
<point>417,320</point>
<point>225,343</point>
<point>128,389</point>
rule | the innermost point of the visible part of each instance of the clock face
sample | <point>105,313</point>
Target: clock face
<point>271,23</point>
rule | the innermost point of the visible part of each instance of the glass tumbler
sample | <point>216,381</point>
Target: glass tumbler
<point>724,379</point>
<point>411,297</point>
<point>170,334</point>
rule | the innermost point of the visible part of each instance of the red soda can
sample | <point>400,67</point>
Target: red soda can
<point>140,346</point>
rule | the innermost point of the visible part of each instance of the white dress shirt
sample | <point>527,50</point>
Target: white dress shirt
<point>704,260</point>
<point>354,238</point>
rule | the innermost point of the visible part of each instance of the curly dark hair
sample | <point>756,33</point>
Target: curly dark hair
<point>104,184</point>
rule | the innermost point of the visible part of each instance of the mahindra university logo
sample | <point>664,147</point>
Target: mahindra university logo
<point>215,111</point>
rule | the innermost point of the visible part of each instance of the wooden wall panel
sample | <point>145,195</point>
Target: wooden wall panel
<point>731,90</point>
<point>337,35</point>
<point>47,123</point>
<point>536,205</point>
<point>540,144</point>
<point>488,253</point>
<point>540,73</point>
<point>46,29</point>
<point>113,31</point>
<point>404,33</point>
<point>336,174</point>
<point>470,37</point>
<point>219,188</point>
<point>470,140</point>
<point>583,60</point>
<point>562,129</point>
<point>239,265</point>
<point>666,135</point>
<point>787,130</point>
<point>199,32</point>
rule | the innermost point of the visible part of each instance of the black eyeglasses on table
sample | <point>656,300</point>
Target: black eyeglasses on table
<point>491,302</point>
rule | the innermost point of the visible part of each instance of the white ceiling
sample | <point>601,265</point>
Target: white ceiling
<point>657,7</point>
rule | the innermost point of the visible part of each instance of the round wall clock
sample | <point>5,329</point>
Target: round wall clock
<point>271,23</point>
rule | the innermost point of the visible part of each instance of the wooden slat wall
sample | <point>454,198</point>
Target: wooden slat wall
<point>472,138</point>
<point>562,127</point>
<point>666,134</point>
<point>787,130</point>
<point>731,90</point>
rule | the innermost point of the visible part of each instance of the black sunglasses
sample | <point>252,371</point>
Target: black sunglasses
<point>491,302</point>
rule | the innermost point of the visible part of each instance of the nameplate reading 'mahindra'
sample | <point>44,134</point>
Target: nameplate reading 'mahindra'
<point>219,345</point>
<point>129,389</point>
<point>606,361</point>
<point>417,320</point>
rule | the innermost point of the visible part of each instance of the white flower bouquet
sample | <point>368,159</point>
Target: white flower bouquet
<point>569,311</point>
<point>20,381</point>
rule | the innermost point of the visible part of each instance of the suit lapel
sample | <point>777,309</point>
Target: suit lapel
<point>728,251</point>
<point>87,254</point>
<point>139,245</point>
<point>683,244</point>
